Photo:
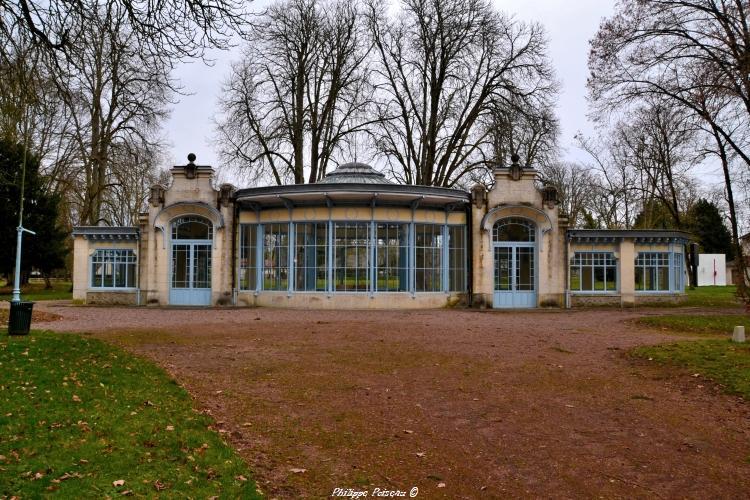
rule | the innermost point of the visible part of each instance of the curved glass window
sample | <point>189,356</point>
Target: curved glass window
<point>514,229</point>
<point>192,227</point>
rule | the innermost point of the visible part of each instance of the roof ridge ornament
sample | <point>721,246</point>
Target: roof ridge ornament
<point>190,167</point>
<point>516,170</point>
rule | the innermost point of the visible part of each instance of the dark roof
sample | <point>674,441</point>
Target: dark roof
<point>107,233</point>
<point>355,173</point>
<point>642,235</point>
<point>351,184</point>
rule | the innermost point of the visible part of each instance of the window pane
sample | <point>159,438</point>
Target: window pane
<point>525,269</point>
<point>192,228</point>
<point>652,271</point>
<point>457,258</point>
<point>392,245</point>
<point>514,229</point>
<point>611,278</point>
<point>276,256</point>
<point>248,256</point>
<point>593,272</point>
<point>503,257</point>
<point>351,256</point>
<point>180,263</point>
<point>310,256</point>
<point>202,266</point>
<point>429,247</point>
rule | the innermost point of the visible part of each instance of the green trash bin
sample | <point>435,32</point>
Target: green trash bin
<point>19,321</point>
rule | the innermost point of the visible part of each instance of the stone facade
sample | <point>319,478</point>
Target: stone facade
<point>515,194</point>
<point>360,197</point>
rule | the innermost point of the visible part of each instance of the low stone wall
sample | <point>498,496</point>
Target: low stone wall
<point>659,299</point>
<point>112,298</point>
<point>594,300</point>
<point>322,300</point>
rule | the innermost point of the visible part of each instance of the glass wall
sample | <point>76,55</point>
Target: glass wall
<point>392,257</point>
<point>351,242</point>
<point>652,272</point>
<point>111,268</point>
<point>593,272</point>
<point>248,277</point>
<point>276,256</point>
<point>310,245</point>
<point>457,257</point>
<point>355,257</point>
<point>429,249</point>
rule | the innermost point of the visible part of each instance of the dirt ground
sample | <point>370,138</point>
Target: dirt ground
<point>460,404</point>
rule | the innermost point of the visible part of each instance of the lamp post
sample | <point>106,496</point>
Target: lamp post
<point>20,229</point>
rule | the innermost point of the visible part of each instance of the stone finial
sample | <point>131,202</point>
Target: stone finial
<point>515,168</point>
<point>550,196</point>
<point>157,195</point>
<point>478,195</point>
<point>190,167</point>
<point>739,334</point>
<point>225,194</point>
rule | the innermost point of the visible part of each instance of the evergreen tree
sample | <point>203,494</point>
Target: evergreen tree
<point>707,224</point>
<point>47,250</point>
<point>654,215</point>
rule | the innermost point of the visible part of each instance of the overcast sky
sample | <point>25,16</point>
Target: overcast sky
<point>569,24</point>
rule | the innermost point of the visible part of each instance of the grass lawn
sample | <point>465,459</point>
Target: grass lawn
<point>712,296</point>
<point>722,361</point>
<point>710,323</point>
<point>81,418</point>
<point>35,291</point>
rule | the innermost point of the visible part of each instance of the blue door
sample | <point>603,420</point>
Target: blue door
<point>514,250</point>
<point>190,266</point>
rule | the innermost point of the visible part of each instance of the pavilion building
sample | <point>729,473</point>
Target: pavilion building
<point>356,240</point>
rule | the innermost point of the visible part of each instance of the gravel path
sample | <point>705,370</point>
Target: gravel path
<point>461,404</point>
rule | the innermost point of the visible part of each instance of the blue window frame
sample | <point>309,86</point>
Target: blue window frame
<point>659,272</point>
<point>593,272</point>
<point>338,256</point>
<point>113,268</point>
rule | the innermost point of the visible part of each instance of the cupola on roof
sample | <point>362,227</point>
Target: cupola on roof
<point>355,173</point>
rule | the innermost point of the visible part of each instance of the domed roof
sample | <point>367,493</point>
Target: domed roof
<point>355,173</point>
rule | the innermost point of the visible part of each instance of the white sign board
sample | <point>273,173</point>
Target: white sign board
<point>712,269</point>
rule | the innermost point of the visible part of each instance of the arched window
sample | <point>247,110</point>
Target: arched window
<point>514,229</point>
<point>191,227</point>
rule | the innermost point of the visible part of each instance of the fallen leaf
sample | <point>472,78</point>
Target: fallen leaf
<point>407,431</point>
<point>297,471</point>
<point>441,485</point>
<point>247,424</point>
<point>241,478</point>
<point>170,427</point>
<point>421,454</point>
<point>117,483</point>
<point>127,493</point>
<point>158,485</point>
<point>76,398</point>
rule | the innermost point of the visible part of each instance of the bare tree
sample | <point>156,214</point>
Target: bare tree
<point>693,52</point>
<point>441,67</point>
<point>573,182</point>
<point>614,191</point>
<point>115,93</point>
<point>658,141</point>
<point>134,169</point>
<point>298,93</point>
<point>528,129</point>
<point>165,28</point>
